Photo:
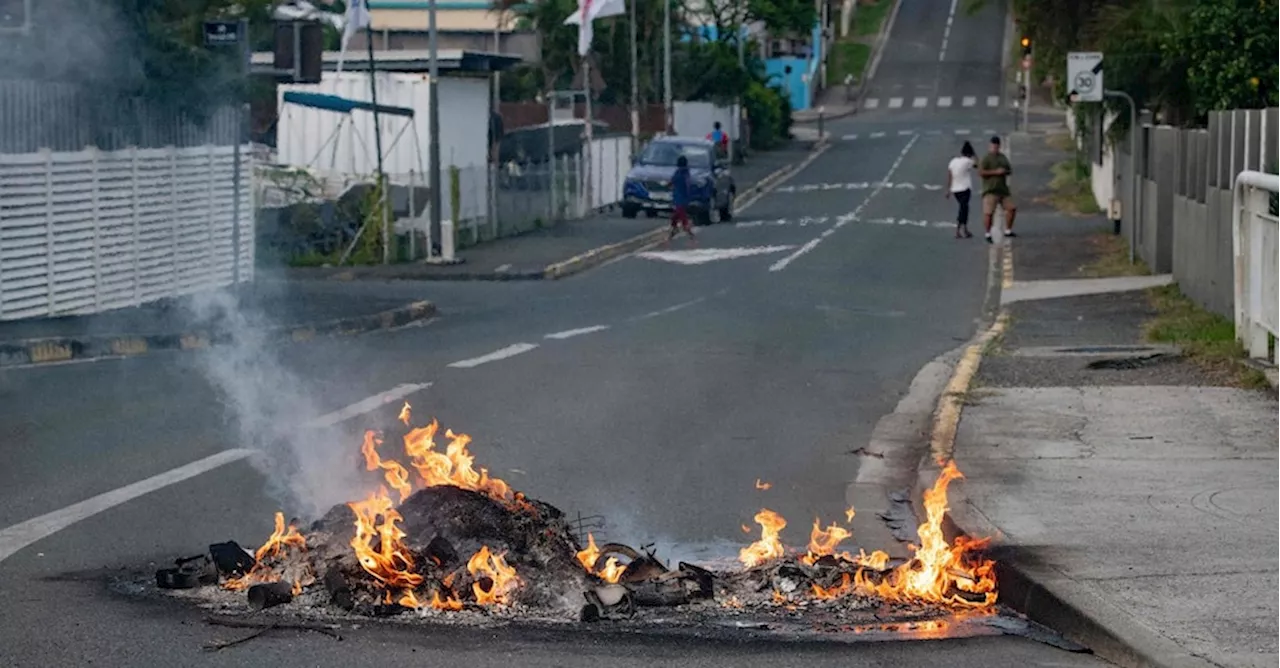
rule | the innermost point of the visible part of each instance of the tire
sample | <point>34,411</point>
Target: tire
<point>630,211</point>
<point>726,212</point>
<point>702,216</point>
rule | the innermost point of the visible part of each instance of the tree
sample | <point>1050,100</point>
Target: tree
<point>1234,44</point>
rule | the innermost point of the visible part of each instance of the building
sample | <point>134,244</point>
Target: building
<point>469,25</point>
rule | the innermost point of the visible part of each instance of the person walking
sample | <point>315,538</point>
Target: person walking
<point>718,137</point>
<point>680,183</point>
<point>994,168</point>
<point>960,184</point>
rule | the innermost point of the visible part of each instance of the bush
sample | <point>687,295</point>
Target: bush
<point>769,112</point>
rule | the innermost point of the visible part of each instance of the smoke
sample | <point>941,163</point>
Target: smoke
<point>310,463</point>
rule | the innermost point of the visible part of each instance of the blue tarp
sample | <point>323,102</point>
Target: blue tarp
<point>341,105</point>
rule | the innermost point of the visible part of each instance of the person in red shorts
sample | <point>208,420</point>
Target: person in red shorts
<point>680,183</point>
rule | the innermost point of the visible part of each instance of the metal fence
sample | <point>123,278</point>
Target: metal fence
<point>1183,211</point>
<point>88,231</point>
<point>37,115</point>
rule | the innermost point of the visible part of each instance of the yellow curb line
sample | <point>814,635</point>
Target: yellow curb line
<point>951,404</point>
<point>1006,281</point>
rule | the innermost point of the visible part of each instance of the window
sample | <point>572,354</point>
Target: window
<point>665,154</point>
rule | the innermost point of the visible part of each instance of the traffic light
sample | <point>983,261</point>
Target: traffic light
<point>1026,46</point>
<point>15,15</point>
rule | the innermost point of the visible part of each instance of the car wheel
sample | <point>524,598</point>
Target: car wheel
<point>726,213</point>
<point>629,211</point>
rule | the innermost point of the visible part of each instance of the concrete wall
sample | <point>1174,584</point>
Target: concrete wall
<point>1184,211</point>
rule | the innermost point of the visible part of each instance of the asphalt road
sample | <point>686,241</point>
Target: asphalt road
<point>651,391</point>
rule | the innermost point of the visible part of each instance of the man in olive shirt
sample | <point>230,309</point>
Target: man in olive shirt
<point>994,170</point>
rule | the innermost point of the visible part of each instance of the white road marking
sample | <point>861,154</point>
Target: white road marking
<point>895,102</point>
<point>671,309</point>
<point>968,101</point>
<point>906,133</point>
<point>944,101</point>
<point>21,535</point>
<point>705,255</point>
<point>962,132</point>
<point>920,102</point>
<point>988,132</point>
<point>849,137</point>
<point>821,187</point>
<point>946,32</point>
<point>368,404</point>
<point>993,100</point>
<point>846,219</point>
<point>35,529</point>
<point>876,135</point>
<point>570,333</point>
<point>871,103</point>
<point>502,267</point>
<point>802,222</point>
<point>500,354</point>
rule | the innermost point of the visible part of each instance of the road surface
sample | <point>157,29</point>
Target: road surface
<point>654,391</point>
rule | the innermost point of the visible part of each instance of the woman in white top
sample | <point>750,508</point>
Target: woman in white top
<point>960,184</point>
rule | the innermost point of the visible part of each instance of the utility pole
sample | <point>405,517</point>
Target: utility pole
<point>668,106</point>
<point>377,143</point>
<point>433,129</point>
<point>1135,191</point>
<point>635,86</point>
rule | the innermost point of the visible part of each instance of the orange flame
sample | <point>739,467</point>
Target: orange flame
<point>877,560</point>
<point>848,514</point>
<point>503,579</point>
<point>452,603</point>
<point>274,549</point>
<point>763,485</point>
<point>391,564</point>
<point>823,542</point>
<point>769,546</point>
<point>454,466</point>
<point>611,572</point>
<point>845,587</point>
<point>396,475</point>
<point>405,412</point>
<point>938,572</point>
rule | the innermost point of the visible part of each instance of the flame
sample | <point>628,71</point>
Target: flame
<point>823,542</point>
<point>938,572</point>
<point>409,600</point>
<point>769,546</point>
<point>390,564</point>
<point>454,466</point>
<point>451,603</point>
<point>611,572</point>
<point>746,529</point>
<point>848,514</point>
<point>396,475</point>
<point>503,578</point>
<point>877,560</point>
<point>763,485</point>
<point>273,550</point>
<point>405,412</point>
<point>846,586</point>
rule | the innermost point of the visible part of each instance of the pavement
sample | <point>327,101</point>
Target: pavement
<point>1133,492</point>
<point>654,391</point>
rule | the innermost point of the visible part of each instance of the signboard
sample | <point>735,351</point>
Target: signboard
<point>221,33</point>
<point>1084,75</point>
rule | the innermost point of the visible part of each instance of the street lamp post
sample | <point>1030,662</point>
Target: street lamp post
<point>668,106</point>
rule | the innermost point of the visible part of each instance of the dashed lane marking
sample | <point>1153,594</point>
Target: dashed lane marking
<point>570,333</point>
<point>499,354</point>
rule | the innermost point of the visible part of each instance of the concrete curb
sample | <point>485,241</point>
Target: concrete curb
<point>35,352</point>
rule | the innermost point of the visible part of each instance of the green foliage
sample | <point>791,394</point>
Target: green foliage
<point>781,17</point>
<point>1234,45</point>
<point>770,112</point>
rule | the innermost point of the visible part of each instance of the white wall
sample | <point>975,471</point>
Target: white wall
<point>696,119</point>
<point>89,231</point>
<point>464,124</point>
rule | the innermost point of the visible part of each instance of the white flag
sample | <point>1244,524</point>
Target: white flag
<point>589,11</point>
<point>356,19</point>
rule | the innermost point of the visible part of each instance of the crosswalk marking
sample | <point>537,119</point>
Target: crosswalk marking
<point>920,102</point>
<point>968,101</point>
<point>906,133</point>
<point>993,100</point>
<point>872,103</point>
<point>944,101</point>
<point>895,102</point>
<point>877,135</point>
<point>962,132</point>
<point>849,137</point>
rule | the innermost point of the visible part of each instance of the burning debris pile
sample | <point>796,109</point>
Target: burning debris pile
<point>453,539</point>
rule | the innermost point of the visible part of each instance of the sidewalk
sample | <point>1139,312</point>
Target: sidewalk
<point>275,310</point>
<point>1132,491</point>
<point>563,249</point>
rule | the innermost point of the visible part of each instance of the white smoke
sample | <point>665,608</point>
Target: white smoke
<point>310,465</point>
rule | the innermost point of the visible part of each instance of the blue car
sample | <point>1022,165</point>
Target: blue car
<point>648,184</point>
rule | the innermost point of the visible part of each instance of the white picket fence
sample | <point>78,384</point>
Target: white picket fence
<point>610,161</point>
<point>1257,261</point>
<point>89,231</point>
